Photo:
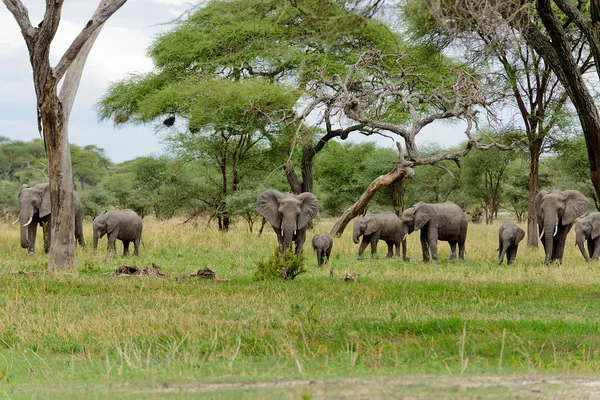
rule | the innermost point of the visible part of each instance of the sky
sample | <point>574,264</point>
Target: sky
<point>119,50</point>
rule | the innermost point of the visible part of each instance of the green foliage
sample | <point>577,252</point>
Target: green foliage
<point>344,170</point>
<point>95,201</point>
<point>284,266</point>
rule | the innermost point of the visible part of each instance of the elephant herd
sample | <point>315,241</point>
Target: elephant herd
<point>34,204</point>
<point>290,215</point>
<point>556,211</point>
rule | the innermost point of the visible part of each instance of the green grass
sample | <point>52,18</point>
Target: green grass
<point>88,335</point>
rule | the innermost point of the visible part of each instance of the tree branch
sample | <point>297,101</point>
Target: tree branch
<point>105,9</point>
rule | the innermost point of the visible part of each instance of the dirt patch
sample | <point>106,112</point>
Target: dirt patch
<point>419,387</point>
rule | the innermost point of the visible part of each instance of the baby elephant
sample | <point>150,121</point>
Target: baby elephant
<point>124,225</point>
<point>588,229</point>
<point>322,244</point>
<point>509,237</point>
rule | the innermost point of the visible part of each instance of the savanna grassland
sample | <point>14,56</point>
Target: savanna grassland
<point>86,335</point>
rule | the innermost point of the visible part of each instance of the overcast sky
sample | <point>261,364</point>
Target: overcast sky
<point>119,50</point>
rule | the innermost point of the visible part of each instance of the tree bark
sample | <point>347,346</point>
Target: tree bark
<point>396,175</point>
<point>54,111</point>
<point>534,187</point>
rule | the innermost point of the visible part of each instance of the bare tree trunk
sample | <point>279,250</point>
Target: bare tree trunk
<point>534,165</point>
<point>396,175</point>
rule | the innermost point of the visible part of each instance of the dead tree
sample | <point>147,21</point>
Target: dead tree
<point>54,109</point>
<point>389,96</point>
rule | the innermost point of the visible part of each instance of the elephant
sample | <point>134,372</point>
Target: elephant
<point>556,212</point>
<point>289,215</point>
<point>509,236</point>
<point>374,227</point>
<point>125,225</point>
<point>322,244</point>
<point>588,228</point>
<point>34,203</point>
<point>438,221</point>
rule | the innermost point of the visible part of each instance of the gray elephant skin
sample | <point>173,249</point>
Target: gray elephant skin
<point>509,236</point>
<point>556,212</point>
<point>289,215</point>
<point>588,229</point>
<point>375,227</point>
<point>125,225</point>
<point>322,245</point>
<point>34,203</point>
<point>438,221</point>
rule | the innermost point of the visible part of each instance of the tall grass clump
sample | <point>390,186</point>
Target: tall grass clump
<point>284,266</point>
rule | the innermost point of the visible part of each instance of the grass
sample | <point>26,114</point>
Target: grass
<point>86,335</point>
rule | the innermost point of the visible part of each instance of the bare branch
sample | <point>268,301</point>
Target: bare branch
<point>21,15</point>
<point>106,8</point>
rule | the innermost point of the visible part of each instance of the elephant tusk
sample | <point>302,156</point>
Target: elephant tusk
<point>541,235</point>
<point>282,232</point>
<point>16,221</point>
<point>555,230</point>
<point>28,222</point>
<point>294,233</point>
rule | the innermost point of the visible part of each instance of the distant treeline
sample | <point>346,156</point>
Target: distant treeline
<point>186,183</point>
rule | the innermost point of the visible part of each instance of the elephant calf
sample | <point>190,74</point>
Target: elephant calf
<point>322,244</point>
<point>588,229</point>
<point>124,225</point>
<point>375,227</point>
<point>509,236</point>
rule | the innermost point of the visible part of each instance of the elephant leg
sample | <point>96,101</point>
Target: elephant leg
<point>136,246</point>
<point>300,239</point>
<point>328,253</point>
<point>79,230</point>
<point>560,242</point>
<point>403,243</point>
<point>453,250</point>
<point>432,239</point>
<point>503,249</point>
<point>112,239</point>
<point>594,248</point>
<point>125,248</point>
<point>461,250</point>
<point>374,241</point>
<point>390,245</point>
<point>363,245</point>
<point>425,246</point>
<point>31,234</point>
<point>512,253</point>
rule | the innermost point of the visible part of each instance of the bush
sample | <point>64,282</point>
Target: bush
<point>287,265</point>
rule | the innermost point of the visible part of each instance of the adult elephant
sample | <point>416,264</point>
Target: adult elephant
<point>289,215</point>
<point>34,203</point>
<point>556,212</point>
<point>439,221</point>
<point>588,229</point>
<point>125,225</point>
<point>375,227</point>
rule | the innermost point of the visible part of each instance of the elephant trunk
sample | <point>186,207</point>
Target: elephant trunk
<point>320,256</point>
<point>25,219</point>
<point>549,231</point>
<point>356,234</point>
<point>583,251</point>
<point>288,230</point>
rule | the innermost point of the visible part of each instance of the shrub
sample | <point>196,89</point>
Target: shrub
<point>287,265</point>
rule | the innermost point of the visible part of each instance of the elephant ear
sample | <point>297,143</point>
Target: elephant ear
<point>539,199</point>
<point>373,225</point>
<point>423,215</point>
<point>595,228</point>
<point>309,207</point>
<point>267,205</point>
<point>45,207</point>
<point>575,206</point>
<point>112,220</point>
<point>520,235</point>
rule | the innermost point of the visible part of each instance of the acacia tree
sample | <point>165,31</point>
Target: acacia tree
<point>394,95</point>
<point>552,28</point>
<point>54,109</point>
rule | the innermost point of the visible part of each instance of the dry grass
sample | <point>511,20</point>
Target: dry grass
<point>60,331</point>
